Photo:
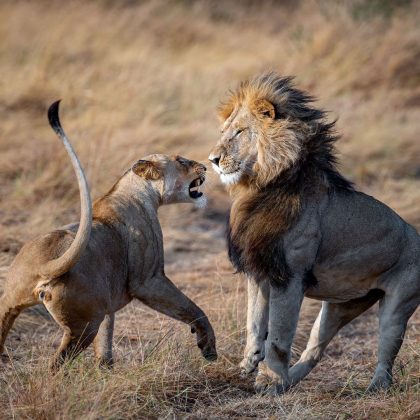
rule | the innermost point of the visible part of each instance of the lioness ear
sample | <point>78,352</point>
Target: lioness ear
<point>147,169</point>
<point>265,108</point>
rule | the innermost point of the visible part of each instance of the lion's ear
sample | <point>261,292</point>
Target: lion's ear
<point>224,110</point>
<point>147,169</point>
<point>265,108</point>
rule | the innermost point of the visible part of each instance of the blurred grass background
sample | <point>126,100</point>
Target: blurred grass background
<point>146,76</point>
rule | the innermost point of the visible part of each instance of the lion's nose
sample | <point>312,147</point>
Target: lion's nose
<point>214,159</point>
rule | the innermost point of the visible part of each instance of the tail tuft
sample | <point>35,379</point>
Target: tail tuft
<point>53,117</point>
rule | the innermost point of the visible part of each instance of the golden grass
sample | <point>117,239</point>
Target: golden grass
<point>146,77</point>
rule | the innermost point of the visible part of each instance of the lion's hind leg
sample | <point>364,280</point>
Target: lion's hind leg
<point>331,318</point>
<point>395,309</point>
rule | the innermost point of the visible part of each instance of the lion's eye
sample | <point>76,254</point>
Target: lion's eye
<point>239,132</point>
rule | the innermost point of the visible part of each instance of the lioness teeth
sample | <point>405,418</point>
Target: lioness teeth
<point>194,188</point>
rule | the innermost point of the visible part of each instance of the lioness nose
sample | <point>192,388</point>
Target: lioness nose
<point>214,159</point>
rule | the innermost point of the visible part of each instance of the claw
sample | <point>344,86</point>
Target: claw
<point>272,389</point>
<point>245,373</point>
<point>249,364</point>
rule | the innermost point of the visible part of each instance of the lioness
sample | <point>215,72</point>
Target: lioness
<point>116,255</point>
<point>298,228</point>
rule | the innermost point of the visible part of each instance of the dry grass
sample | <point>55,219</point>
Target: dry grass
<point>139,78</point>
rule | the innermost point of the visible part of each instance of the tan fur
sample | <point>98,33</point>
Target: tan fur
<point>148,170</point>
<point>278,140</point>
<point>122,259</point>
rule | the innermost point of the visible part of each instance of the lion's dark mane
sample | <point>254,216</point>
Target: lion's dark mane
<point>275,208</point>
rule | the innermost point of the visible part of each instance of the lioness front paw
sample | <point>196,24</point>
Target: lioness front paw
<point>206,341</point>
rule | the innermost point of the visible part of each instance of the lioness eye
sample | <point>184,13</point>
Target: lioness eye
<point>239,131</point>
<point>182,162</point>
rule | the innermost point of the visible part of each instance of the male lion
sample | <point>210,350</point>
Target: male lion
<point>298,228</point>
<point>116,255</point>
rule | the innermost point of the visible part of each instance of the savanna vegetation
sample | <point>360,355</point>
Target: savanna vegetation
<point>146,76</point>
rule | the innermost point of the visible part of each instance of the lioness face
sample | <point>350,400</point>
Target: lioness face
<point>178,179</point>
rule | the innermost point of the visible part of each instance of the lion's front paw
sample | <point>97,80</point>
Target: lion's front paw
<point>382,380</point>
<point>269,383</point>
<point>250,362</point>
<point>379,384</point>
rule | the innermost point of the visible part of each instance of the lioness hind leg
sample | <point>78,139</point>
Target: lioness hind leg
<point>74,341</point>
<point>331,318</point>
<point>394,313</point>
<point>11,305</point>
<point>103,342</point>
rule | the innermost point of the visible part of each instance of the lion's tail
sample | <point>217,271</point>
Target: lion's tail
<point>62,264</point>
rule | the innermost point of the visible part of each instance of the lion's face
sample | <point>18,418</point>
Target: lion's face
<point>178,179</point>
<point>236,153</point>
<point>259,139</point>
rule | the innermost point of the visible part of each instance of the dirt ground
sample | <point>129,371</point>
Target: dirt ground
<point>141,77</point>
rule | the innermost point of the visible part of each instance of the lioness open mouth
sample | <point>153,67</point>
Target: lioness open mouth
<point>193,189</point>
